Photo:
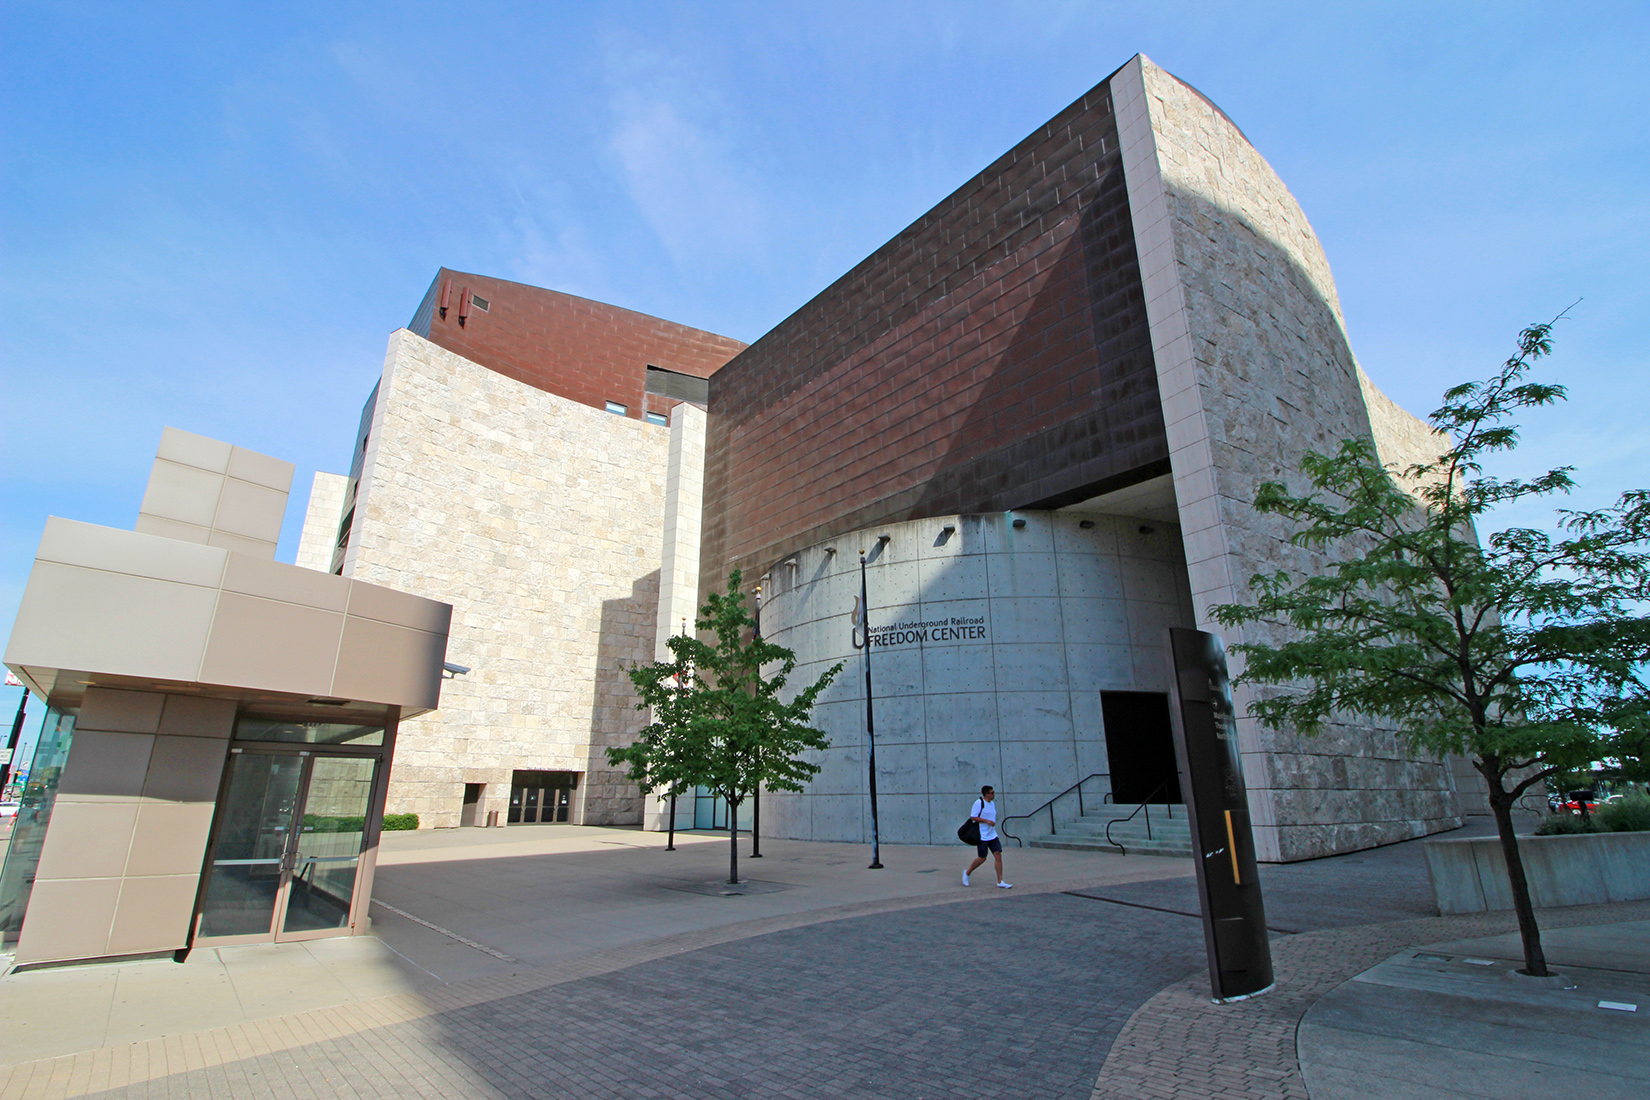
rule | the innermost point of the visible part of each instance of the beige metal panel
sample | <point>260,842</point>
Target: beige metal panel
<point>116,624</point>
<point>271,645</point>
<point>105,767</point>
<point>289,584</point>
<point>240,544</point>
<point>120,711</point>
<point>183,769</point>
<point>69,542</point>
<point>381,663</point>
<point>68,920</point>
<point>152,914</point>
<point>86,840</point>
<point>386,605</point>
<point>172,529</point>
<point>177,445</point>
<point>261,469</point>
<point>169,838</point>
<point>251,511</point>
<point>192,716</point>
<point>183,493</point>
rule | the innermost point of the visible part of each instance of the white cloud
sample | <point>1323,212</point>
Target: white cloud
<point>679,160</point>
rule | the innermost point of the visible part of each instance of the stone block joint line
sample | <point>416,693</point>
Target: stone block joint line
<point>449,933</point>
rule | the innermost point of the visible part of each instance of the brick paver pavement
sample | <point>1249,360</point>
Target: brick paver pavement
<point>1031,996</point>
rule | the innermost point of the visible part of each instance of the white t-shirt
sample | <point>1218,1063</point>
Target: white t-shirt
<point>987,810</point>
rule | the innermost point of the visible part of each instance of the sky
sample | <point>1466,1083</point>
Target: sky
<point>214,215</point>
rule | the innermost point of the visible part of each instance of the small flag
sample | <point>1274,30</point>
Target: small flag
<point>858,624</point>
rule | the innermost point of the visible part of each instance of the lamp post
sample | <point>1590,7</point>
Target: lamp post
<point>870,715</point>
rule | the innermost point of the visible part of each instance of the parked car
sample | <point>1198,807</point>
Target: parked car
<point>8,809</point>
<point>1574,801</point>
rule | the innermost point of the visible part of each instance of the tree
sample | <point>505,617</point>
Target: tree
<point>1525,654</point>
<point>717,721</point>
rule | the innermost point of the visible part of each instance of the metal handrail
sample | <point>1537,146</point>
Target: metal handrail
<point>1145,805</point>
<point>1049,806</point>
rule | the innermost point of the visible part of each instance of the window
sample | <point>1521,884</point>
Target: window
<point>479,302</point>
<point>658,418</point>
<point>617,409</point>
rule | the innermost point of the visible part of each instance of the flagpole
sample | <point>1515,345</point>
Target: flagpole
<point>870,717</point>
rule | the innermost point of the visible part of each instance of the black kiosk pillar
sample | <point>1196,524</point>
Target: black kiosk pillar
<point>1211,781</point>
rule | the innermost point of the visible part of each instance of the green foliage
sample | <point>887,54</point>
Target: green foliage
<point>328,823</point>
<point>718,721</point>
<point>1564,825</point>
<point>1525,653</point>
<point>1631,814</point>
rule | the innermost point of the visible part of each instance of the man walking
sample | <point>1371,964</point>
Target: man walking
<point>985,812</point>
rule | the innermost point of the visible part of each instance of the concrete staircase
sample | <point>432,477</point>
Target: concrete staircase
<point>1170,836</point>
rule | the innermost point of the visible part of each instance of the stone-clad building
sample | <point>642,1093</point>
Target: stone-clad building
<point>1042,409</point>
<point>514,455</point>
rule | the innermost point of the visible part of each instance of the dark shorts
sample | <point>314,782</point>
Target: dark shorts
<point>986,847</point>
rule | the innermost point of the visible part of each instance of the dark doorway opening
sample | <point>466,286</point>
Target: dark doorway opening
<point>1140,747</point>
<point>541,798</point>
<point>472,803</point>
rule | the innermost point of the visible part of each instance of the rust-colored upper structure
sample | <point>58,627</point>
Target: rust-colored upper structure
<point>994,355</point>
<point>586,351</point>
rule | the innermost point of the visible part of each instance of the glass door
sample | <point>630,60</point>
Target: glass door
<point>330,837</point>
<point>255,819</point>
<point>292,827</point>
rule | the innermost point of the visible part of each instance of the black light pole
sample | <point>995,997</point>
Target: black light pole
<point>670,843</point>
<point>8,767</point>
<point>870,717</point>
<point>756,792</point>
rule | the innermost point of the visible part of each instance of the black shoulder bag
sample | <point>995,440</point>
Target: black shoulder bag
<point>969,831</point>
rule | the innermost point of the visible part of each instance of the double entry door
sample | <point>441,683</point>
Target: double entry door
<point>286,861</point>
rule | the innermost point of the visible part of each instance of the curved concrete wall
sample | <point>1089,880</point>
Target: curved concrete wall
<point>991,645</point>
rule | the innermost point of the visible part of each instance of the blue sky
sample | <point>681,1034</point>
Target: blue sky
<point>215,214</point>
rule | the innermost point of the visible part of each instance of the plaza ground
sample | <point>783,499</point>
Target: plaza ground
<point>592,963</point>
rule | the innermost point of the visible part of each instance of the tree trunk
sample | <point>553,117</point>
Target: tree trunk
<point>1501,803</point>
<point>733,841</point>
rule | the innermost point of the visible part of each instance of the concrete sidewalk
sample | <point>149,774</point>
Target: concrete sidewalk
<point>1456,1020</point>
<point>454,906</point>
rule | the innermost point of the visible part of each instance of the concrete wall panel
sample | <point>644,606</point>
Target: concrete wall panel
<point>120,711</point>
<point>105,767</point>
<point>182,493</point>
<point>68,542</point>
<point>260,469</point>
<point>274,581</point>
<point>169,838</point>
<point>189,449</point>
<point>186,716</point>
<point>184,769</point>
<point>152,914</point>
<point>978,686</point>
<point>272,645</point>
<point>86,840</point>
<point>250,511</point>
<point>81,913</point>
<point>117,624</point>
<point>378,661</point>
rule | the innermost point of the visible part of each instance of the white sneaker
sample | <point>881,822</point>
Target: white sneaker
<point>1006,885</point>
<point>965,878</point>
